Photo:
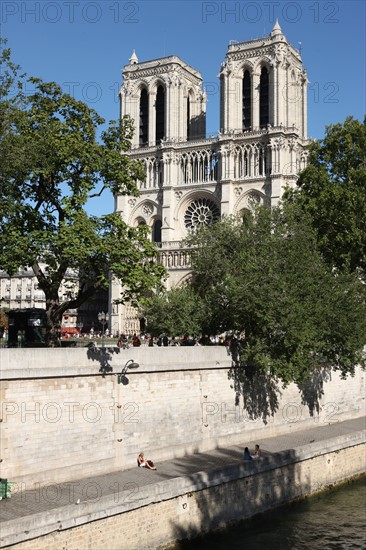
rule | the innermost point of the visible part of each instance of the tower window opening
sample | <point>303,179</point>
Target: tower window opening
<point>144,118</point>
<point>264,98</point>
<point>156,233</point>
<point>160,114</point>
<point>247,99</point>
<point>188,119</point>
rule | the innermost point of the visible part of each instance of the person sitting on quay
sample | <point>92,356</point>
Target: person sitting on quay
<point>136,342</point>
<point>257,453</point>
<point>247,455</point>
<point>143,463</point>
<point>122,341</point>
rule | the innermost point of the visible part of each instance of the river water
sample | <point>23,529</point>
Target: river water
<point>335,519</point>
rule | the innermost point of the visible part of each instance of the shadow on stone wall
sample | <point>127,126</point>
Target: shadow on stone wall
<point>260,392</point>
<point>260,490</point>
<point>102,355</point>
<point>312,390</point>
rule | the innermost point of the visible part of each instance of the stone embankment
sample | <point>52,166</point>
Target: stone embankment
<point>73,424</point>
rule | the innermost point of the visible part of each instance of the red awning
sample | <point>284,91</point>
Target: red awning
<point>69,330</point>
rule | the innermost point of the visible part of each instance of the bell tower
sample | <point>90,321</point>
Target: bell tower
<point>165,99</point>
<point>262,84</point>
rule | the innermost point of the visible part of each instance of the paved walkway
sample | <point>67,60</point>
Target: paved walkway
<point>26,503</point>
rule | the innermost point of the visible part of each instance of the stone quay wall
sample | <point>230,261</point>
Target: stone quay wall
<point>184,507</point>
<point>70,413</point>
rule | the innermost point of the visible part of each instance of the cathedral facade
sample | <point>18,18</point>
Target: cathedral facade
<point>193,180</point>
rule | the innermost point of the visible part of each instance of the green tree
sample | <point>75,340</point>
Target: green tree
<point>3,320</point>
<point>332,189</point>
<point>176,312</point>
<point>52,165</point>
<point>265,277</point>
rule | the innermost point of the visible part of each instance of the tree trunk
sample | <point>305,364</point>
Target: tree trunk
<point>54,318</point>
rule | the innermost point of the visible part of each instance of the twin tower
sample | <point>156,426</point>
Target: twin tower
<point>193,180</point>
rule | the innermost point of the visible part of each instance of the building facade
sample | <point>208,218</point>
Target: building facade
<point>22,291</point>
<point>193,180</point>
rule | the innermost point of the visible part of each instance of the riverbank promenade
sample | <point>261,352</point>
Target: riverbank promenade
<point>39,511</point>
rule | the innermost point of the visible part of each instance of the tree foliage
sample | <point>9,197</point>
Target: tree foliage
<point>266,278</point>
<point>52,165</point>
<point>332,189</point>
<point>3,320</point>
<point>176,312</point>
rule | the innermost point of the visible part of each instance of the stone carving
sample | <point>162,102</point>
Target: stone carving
<point>238,191</point>
<point>281,54</point>
<point>253,198</point>
<point>128,88</point>
<point>132,202</point>
<point>159,197</point>
<point>147,209</point>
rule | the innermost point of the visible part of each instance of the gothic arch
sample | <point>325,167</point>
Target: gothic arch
<point>156,225</point>
<point>189,111</point>
<point>247,200</point>
<point>160,113</point>
<point>240,68</point>
<point>263,62</point>
<point>144,210</point>
<point>198,166</point>
<point>154,84</point>
<point>191,93</point>
<point>139,221</point>
<point>187,278</point>
<point>247,85</point>
<point>153,169</point>
<point>264,96</point>
<point>143,116</point>
<point>140,85</point>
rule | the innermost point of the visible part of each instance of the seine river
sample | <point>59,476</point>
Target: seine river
<point>335,519</point>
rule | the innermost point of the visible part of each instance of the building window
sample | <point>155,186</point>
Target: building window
<point>264,99</point>
<point>188,119</point>
<point>160,115</point>
<point>144,117</point>
<point>247,100</point>
<point>201,212</point>
<point>156,234</point>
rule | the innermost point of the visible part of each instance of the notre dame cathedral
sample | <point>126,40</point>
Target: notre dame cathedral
<point>193,180</point>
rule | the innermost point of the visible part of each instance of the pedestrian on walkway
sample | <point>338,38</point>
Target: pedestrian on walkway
<point>247,455</point>
<point>257,453</point>
<point>143,463</point>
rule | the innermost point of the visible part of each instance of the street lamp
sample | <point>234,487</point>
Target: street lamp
<point>122,378</point>
<point>103,318</point>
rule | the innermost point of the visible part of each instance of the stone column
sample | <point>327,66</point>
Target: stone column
<point>304,111</point>
<point>275,95</point>
<point>168,116</point>
<point>255,100</point>
<point>152,118</point>
<point>167,230</point>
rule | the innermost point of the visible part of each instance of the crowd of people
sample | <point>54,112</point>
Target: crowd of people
<point>134,340</point>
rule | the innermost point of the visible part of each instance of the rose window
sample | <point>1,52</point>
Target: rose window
<point>201,212</point>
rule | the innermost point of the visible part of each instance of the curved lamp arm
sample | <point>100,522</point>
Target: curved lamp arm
<point>129,365</point>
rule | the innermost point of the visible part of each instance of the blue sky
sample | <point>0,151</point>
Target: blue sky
<point>83,45</point>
